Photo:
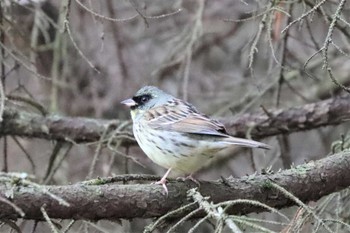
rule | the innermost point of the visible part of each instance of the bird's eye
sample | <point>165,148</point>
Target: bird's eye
<point>144,99</point>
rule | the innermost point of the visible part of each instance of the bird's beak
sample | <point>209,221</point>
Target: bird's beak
<point>129,102</point>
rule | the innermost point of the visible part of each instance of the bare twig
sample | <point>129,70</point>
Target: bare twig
<point>48,220</point>
<point>67,29</point>
<point>328,40</point>
<point>96,155</point>
<point>313,9</point>
<point>103,16</point>
<point>29,157</point>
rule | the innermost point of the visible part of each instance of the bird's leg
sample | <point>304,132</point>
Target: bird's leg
<point>162,181</point>
<point>189,177</point>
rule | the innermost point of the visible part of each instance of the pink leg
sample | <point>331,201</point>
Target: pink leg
<point>163,181</point>
<point>189,177</point>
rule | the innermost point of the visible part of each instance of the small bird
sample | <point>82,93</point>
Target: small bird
<point>175,135</point>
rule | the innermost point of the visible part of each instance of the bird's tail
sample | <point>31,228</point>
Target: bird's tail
<point>246,143</point>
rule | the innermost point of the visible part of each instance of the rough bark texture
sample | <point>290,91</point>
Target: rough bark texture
<point>308,182</point>
<point>329,112</point>
<point>77,129</point>
<point>283,121</point>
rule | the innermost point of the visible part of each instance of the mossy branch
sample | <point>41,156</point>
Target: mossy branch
<point>102,200</point>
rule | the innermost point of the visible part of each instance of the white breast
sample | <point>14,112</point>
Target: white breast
<point>173,149</point>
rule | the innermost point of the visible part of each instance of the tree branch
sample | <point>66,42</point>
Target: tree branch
<point>308,182</point>
<point>263,124</point>
<point>333,111</point>
<point>74,129</point>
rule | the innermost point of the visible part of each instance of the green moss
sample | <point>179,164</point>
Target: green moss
<point>267,184</point>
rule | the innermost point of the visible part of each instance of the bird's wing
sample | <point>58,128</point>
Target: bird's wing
<point>180,116</point>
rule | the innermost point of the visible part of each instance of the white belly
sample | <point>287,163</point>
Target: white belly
<point>173,150</point>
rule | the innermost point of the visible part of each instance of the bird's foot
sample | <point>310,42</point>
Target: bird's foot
<point>189,177</point>
<point>163,183</point>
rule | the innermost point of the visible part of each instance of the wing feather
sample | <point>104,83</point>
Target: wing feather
<point>182,117</point>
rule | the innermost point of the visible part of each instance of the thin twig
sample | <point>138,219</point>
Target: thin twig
<point>67,28</point>
<point>48,220</point>
<point>328,40</point>
<point>25,153</point>
<point>152,227</point>
<point>15,207</point>
<point>315,7</point>
<point>29,101</point>
<point>97,154</point>
<point>66,147</point>
<point>300,203</point>
<point>2,100</point>
<point>104,17</point>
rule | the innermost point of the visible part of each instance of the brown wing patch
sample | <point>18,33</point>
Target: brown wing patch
<point>199,125</point>
<point>155,113</point>
<point>185,118</point>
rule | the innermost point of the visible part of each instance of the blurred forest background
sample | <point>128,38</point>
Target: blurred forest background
<point>80,58</point>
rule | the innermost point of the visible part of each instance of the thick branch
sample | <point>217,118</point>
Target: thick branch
<point>77,129</point>
<point>333,111</point>
<point>308,182</point>
<point>329,112</point>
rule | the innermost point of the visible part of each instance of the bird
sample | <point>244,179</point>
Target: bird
<point>175,135</point>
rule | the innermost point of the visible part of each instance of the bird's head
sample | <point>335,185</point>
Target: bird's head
<point>146,98</point>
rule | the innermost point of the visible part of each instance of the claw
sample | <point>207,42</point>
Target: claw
<point>189,177</point>
<point>163,182</point>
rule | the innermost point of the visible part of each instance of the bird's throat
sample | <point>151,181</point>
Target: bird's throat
<point>133,113</point>
<point>136,112</point>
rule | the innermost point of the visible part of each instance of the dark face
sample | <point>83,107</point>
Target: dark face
<point>145,99</point>
<point>141,101</point>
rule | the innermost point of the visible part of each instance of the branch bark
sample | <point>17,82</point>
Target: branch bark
<point>333,111</point>
<point>308,182</point>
